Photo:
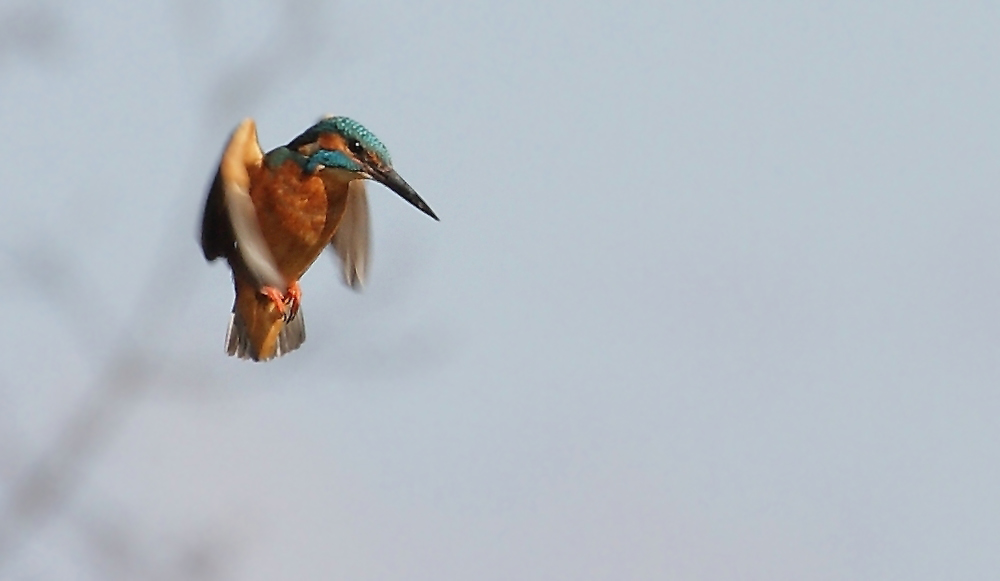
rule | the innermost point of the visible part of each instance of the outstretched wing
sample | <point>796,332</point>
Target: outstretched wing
<point>352,240</point>
<point>229,226</point>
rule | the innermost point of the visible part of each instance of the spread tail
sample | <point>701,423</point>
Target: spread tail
<point>257,330</point>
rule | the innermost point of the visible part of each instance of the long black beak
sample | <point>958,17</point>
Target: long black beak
<point>397,184</point>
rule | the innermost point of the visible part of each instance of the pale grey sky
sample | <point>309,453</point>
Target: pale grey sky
<point>715,294</point>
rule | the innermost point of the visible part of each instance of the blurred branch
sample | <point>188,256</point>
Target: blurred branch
<point>49,481</point>
<point>287,52</point>
<point>121,553</point>
<point>51,276</point>
<point>10,458</point>
<point>47,484</point>
<point>32,30</point>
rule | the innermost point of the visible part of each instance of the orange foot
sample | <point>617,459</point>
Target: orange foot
<point>288,302</point>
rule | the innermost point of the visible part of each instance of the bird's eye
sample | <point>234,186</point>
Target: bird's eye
<point>355,146</point>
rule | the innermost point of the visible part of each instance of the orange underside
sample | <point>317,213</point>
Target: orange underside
<point>298,216</point>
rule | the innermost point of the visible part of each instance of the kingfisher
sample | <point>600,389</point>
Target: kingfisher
<point>270,215</point>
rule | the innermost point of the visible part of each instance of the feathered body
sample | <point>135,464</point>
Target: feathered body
<point>272,215</point>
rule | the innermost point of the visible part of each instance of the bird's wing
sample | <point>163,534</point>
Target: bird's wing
<point>352,240</point>
<point>230,220</point>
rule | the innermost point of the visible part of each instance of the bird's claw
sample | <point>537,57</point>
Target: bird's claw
<point>294,299</point>
<point>286,302</point>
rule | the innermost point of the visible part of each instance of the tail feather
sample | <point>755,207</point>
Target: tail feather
<point>237,339</point>
<point>292,336</point>
<point>240,342</point>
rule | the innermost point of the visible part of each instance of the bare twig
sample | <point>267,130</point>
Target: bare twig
<point>47,484</point>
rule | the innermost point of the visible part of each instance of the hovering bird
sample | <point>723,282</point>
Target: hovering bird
<point>271,215</point>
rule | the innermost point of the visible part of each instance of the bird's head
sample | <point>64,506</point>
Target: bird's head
<point>343,149</point>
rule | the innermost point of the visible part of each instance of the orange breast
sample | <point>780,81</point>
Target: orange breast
<point>298,214</point>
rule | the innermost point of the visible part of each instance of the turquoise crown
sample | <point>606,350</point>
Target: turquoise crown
<point>349,129</point>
